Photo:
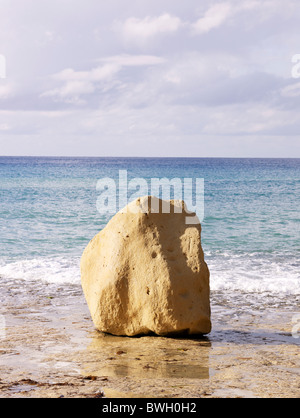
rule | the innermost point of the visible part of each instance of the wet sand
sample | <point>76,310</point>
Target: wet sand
<point>51,349</point>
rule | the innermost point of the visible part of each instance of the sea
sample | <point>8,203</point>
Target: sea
<point>250,225</point>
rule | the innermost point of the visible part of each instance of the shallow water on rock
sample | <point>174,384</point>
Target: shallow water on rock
<point>148,357</point>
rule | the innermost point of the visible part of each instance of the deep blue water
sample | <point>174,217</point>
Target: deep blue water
<point>250,229</point>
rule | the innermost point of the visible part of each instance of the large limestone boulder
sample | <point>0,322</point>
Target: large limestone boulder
<point>145,272</point>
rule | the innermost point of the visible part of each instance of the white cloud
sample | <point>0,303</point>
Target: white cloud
<point>126,60</point>
<point>6,91</point>
<point>292,90</point>
<point>80,83</point>
<point>213,17</point>
<point>4,127</point>
<point>220,13</point>
<point>244,119</point>
<point>72,89</point>
<point>50,35</point>
<point>96,74</point>
<point>139,31</point>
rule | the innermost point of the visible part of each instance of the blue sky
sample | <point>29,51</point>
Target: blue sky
<point>150,78</point>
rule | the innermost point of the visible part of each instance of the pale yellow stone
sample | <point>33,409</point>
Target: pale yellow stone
<point>145,272</point>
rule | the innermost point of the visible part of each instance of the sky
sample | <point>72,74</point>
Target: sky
<point>159,78</point>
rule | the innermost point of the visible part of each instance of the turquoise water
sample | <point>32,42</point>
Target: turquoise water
<point>250,230</point>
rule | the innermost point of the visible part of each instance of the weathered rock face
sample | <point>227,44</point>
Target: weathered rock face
<point>145,272</point>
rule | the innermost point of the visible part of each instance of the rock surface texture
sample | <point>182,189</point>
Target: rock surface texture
<point>145,273</point>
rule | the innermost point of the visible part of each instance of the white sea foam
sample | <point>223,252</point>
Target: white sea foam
<point>229,272</point>
<point>57,270</point>
<point>254,274</point>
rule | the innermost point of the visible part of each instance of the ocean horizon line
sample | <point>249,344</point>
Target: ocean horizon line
<point>147,157</point>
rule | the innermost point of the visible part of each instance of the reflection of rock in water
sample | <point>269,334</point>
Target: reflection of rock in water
<point>147,357</point>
